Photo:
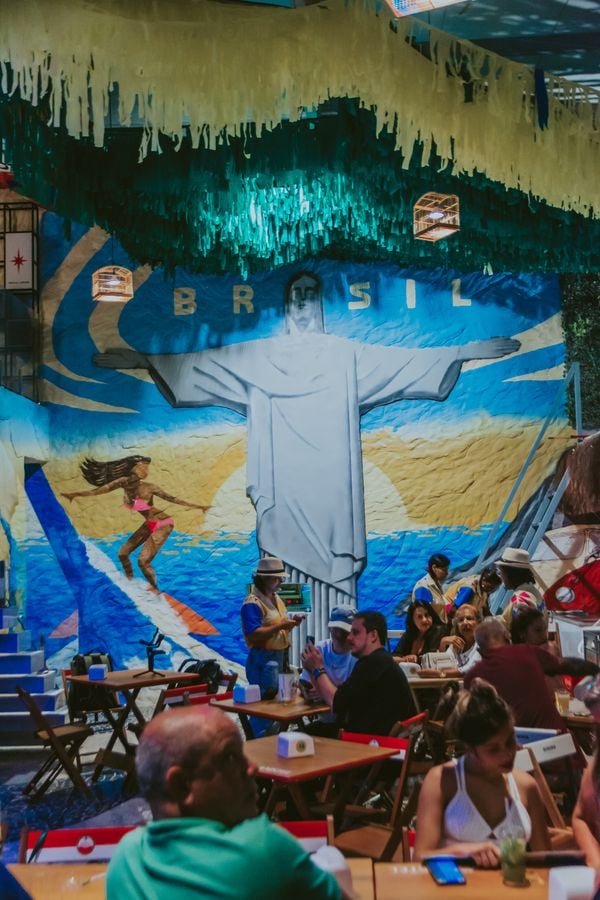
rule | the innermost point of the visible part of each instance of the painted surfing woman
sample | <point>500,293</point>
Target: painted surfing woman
<point>129,474</point>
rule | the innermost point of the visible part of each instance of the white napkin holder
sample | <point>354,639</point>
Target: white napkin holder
<point>97,672</point>
<point>295,743</point>
<point>331,860</point>
<point>571,883</point>
<point>246,693</point>
<point>410,668</point>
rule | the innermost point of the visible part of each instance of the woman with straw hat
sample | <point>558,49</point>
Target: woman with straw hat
<point>518,577</point>
<point>266,626</point>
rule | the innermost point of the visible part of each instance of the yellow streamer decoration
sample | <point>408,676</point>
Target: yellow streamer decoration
<point>214,66</point>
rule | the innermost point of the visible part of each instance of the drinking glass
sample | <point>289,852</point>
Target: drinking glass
<point>562,698</point>
<point>512,861</point>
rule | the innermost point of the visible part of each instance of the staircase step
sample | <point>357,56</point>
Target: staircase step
<point>49,701</point>
<point>38,683</point>
<point>16,663</point>
<point>15,641</point>
<point>8,616</point>
<point>21,721</point>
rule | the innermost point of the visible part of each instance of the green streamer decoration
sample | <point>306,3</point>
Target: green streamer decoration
<point>328,185</point>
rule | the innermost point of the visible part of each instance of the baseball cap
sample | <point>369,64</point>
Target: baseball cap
<point>341,617</point>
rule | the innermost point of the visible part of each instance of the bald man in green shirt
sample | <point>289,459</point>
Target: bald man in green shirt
<point>207,839</point>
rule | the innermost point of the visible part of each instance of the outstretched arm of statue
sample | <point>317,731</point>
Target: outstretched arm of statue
<point>494,348</point>
<point>121,358</point>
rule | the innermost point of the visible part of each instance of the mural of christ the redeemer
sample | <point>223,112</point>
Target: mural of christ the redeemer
<point>303,394</point>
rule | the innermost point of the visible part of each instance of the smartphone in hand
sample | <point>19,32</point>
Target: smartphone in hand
<point>310,639</point>
<point>443,870</point>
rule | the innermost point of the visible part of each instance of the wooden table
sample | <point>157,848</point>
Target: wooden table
<point>284,713</point>
<point>330,757</point>
<point>58,881</point>
<point>52,881</point>
<point>129,682</point>
<point>413,880</point>
<point>362,878</point>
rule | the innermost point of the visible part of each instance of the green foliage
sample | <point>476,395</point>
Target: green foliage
<point>581,324</point>
<point>329,185</point>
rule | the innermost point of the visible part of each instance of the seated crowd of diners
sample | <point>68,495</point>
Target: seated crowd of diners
<point>207,837</point>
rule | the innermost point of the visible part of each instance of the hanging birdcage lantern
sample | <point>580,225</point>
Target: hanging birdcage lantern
<point>112,284</point>
<point>436,216</point>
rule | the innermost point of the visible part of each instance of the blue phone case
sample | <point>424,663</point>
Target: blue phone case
<point>443,870</point>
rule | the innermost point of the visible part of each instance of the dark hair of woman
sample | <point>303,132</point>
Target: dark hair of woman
<point>515,576</point>
<point>100,473</point>
<point>490,573</point>
<point>438,559</point>
<point>432,637</point>
<point>521,622</point>
<point>479,714</point>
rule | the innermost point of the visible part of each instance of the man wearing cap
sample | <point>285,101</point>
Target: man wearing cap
<point>266,626</point>
<point>338,663</point>
<point>514,568</point>
<point>376,695</point>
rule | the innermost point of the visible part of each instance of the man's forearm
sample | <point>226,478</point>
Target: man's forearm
<point>325,686</point>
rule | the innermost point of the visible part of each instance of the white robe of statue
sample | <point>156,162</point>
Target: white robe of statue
<point>303,395</point>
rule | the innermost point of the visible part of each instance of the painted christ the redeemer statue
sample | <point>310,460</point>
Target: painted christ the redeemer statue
<point>303,394</point>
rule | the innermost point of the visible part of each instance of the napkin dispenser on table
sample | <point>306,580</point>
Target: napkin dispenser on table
<point>246,693</point>
<point>97,672</point>
<point>295,743</point>
<point>570,883</point>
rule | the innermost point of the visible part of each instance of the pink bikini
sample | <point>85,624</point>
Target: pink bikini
<point>140,505</point>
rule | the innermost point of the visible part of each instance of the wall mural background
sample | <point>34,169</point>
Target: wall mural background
<point>435,473</point>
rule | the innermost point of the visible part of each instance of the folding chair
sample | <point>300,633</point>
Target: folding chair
<point>64,742</point>
<point>311,834</point>
<point>416,724</point>
<point>68,845</point>
<point>380,841</point>
<point>558,746</point>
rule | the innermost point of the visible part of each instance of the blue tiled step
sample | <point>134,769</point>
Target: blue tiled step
<point>36,683</point>
<point>15,641</point>
<point>17,663</point>
<point>47,702</point>
<point>8,616</point>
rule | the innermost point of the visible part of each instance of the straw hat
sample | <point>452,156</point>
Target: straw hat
<point>515,557</point>
<point>271,567</point>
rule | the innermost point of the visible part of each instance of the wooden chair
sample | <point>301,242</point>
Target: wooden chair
<point>527,760</point>
<point>379,841</point>
<point>69,845</point>
<point>415,724</point>
<point>64,743</point>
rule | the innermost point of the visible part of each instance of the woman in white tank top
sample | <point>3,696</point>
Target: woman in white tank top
<point>469,805</point>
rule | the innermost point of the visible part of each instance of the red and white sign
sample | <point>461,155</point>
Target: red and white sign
<point>18,261</point>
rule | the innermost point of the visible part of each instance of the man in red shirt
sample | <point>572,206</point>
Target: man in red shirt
<point>518,671</point>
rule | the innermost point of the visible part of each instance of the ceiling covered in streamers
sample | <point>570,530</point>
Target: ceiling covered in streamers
<point>236,136</point>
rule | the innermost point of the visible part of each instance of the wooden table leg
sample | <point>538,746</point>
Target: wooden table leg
<point>297,794</point>
<point>117,723</point>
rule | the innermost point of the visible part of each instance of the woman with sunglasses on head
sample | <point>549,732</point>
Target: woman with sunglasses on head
<point>469,805</point>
